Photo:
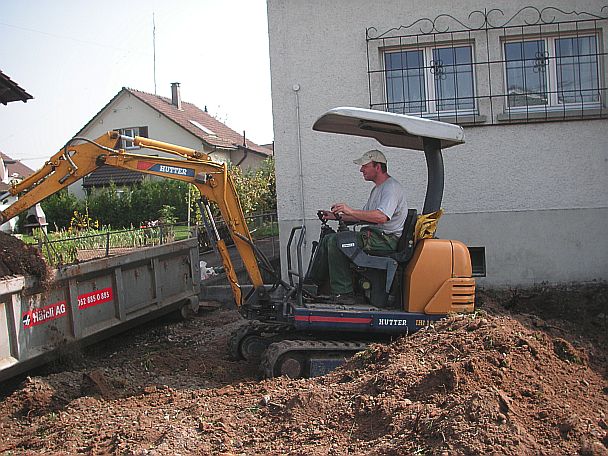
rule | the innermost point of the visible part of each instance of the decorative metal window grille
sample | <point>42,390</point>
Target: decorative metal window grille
<point>537,65</point>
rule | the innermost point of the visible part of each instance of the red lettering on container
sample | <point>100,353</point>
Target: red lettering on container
<point>95,298</point>
<point>44,314</point>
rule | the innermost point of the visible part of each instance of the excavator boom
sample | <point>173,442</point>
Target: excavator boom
<point>62,169</point>
<point>212,180</point>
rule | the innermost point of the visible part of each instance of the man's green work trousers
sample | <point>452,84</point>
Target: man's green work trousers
<point>331,264</point>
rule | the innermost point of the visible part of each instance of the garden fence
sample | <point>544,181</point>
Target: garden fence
<point>89,246</point>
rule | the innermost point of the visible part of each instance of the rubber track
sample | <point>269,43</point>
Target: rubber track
<point>278,349</point>
<point>252,327</point>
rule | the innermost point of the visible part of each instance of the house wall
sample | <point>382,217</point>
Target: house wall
<point>533,195</point>
<point>8,227</point>
<point>14,172</point>
<point>251,160</point>
<point>128,111</point>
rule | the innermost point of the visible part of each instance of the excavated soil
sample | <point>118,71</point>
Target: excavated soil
<point>16,258</point>
<point>526,374</point>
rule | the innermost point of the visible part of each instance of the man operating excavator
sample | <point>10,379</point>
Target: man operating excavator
<point>385,211</point>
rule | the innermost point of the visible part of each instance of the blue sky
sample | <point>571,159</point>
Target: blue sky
<point>73,56</point>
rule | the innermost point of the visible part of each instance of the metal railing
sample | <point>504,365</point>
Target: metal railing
<point>264,229</point>
<point>90,246</point>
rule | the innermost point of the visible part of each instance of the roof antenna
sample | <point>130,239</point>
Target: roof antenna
<point>154,48</point>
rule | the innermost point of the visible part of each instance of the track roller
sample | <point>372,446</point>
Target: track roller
<point>253,338</point>
<point>307,358</point>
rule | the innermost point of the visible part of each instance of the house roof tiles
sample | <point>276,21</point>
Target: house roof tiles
<point>223,136</point>
<point>106,174</point>
<point>16,167</point>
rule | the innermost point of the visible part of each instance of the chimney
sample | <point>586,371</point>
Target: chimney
<point>176,98</point>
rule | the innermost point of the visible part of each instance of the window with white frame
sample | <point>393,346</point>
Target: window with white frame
<point>552,72</point>
<point>132,132</point>
<point>430,80</point>
<point>536,65</point>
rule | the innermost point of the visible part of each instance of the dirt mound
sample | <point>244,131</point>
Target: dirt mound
<point>17,258</point>
<point>477,385</point>
<point>488,383</point>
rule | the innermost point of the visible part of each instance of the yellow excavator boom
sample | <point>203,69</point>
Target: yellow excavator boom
<point>212,180</point>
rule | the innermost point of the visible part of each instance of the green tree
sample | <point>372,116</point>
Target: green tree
<point>110,206</point>
<point>148,198</point>
<point>59,209</point>
<point>256,188</point>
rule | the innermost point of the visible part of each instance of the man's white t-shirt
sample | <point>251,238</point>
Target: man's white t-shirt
<point>389,198</point>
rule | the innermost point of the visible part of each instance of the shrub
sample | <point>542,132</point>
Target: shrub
<point>110,206</point>
<point>59,209</point>
<point>148,198</point>
<point>122,209</point>
<point>152,198</point>
<point>256,188</point>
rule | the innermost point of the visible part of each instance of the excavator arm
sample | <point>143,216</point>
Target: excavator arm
<point>70,164</point>
<point>212,180</point>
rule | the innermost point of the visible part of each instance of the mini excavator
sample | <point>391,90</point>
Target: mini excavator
<point>291,328</point>
<point>306,334</point>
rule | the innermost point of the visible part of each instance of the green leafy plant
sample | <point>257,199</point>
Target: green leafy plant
<point>147,201</point>
<point>59,209</point>
<point>111,206</point>
<point>166,215</point>
<point>256,188</point>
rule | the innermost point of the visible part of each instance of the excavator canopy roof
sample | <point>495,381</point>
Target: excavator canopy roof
<point>389,129</point>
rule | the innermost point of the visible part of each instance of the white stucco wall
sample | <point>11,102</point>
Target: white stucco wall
<point>525,192</point>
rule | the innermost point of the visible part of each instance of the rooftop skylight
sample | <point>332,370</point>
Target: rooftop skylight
<point>202,127</point>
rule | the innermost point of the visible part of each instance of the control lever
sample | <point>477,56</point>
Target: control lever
<point>341,225</point>
<point>325,228</point>
<point>320,214</point>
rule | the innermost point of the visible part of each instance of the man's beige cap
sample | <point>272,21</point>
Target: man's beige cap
<point>372,155</point>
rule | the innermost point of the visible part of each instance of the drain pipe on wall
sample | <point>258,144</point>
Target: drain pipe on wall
<point>296,89</point>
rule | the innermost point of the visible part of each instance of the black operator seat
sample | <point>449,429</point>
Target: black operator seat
<point>405,245</point>
<point>388,261</point>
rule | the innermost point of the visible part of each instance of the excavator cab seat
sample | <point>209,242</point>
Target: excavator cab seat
<point>378,269</point>
<point>405,245</point>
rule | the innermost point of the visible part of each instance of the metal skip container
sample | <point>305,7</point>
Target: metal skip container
<point>94,300</point>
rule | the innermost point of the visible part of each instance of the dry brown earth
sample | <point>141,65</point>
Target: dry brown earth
<point>527,374</point>
<point>16,258</point>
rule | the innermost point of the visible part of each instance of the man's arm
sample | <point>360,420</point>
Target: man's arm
<point>357,215</point>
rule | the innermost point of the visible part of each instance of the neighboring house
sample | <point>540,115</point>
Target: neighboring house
<point>270,147</point>
<point>171,120</point>
<point>528,191</point>
<point>13,170</point>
